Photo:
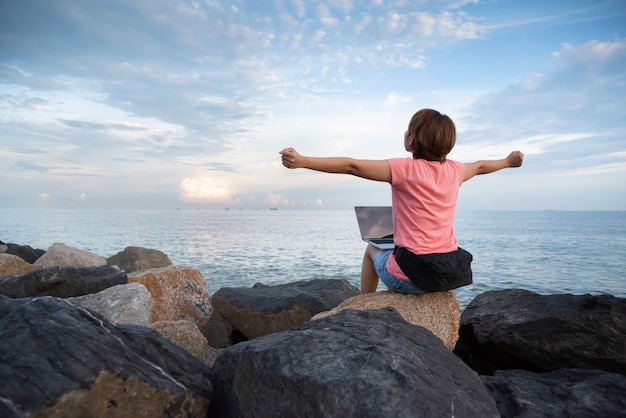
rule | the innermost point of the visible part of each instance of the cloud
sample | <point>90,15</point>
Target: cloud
<point>83,124</point>
<point>275,199</point>
<point>592,52</point>
<point>394,99</point>
<point>325,16</point>
<point>138,95</point>
<point>24,167</point>
<point>568,120</point>
<point>456,26</point>
<point>204,189</point>
<point>582,91</point>
<point>606,168</point>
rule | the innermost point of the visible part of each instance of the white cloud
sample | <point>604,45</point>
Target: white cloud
<point>344,5</point>
<point>325,16</point>
<point>300,7</point>
<point>607,168</point>
<point>423,24</point>
<point>455,26</point>
<point>275,199</point>
<point>319,36</point>
<point>204,189</point>
<point>592,52</point>
<point>394,99</point>
<point>360,25</point>
<point>393,22</point>
<point>156,92</point>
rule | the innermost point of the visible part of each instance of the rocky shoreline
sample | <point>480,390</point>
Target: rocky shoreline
<point>133,335</point>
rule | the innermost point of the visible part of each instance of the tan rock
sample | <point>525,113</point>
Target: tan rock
<point>438,312</point>
<point>12,264</point>
<point>254,324</point>
<point>188,337</point>
<point>179,293</point>
<point>138,258</point>
<point>114,395</point>
<point>60,254</point>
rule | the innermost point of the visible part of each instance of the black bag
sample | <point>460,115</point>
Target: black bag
<point>436,272</point>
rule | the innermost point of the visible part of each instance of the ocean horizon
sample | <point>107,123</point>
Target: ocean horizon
<point>545,251</point>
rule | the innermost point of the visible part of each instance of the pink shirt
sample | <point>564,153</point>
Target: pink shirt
<point>424,195</point>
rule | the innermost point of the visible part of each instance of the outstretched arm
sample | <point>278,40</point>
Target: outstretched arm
<point>368,169</point>
<point>514,159</point>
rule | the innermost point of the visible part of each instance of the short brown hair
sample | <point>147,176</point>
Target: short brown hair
<point>434,135</point>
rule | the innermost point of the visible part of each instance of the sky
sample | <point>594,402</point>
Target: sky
<point>186,104</point>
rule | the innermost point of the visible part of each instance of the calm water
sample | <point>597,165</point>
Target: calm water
<point>546,252</point>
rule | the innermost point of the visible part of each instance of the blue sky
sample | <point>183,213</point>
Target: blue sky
<point>167,104</point>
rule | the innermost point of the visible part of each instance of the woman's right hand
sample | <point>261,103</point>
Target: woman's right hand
<point>515,159</point>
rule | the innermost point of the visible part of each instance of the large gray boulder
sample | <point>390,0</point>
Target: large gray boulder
<point>59,254</point>
<point>263,309</point>
<point>59,360</point>
<point>352,364</point>
<point>561,393</point>
<point>61,282</point>
<point>138,258</point>
<point>129,303</point>
<point>519,329</point>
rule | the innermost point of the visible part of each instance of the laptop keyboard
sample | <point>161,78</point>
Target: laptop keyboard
<point>381,240</point>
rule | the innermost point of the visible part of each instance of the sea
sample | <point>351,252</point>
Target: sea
<point>547,252</point>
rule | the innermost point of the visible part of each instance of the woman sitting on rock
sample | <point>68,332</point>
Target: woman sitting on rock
<point>424,191</point>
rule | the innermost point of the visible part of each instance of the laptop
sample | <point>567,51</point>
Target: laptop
<point>376,225</point>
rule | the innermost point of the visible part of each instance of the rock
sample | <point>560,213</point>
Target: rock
<point>138,258</point>
<point>220,333</point>
<point>261,310</point>
<point>352,364</point>
<point>188,337</point>
<point>66,361</point>
<point>438,312</point>
<point>178,292</point>
<point>25,252</point>
<point>61,255</point>
<point>129,303</point>
<point>519,329</point>
<point>11,264</point>
<point>561,393</point>
<point>61,282</point>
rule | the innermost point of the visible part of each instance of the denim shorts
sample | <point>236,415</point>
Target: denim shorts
<point>394,284</point>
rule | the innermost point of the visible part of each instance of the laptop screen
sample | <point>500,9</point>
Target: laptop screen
<point>374,221</point>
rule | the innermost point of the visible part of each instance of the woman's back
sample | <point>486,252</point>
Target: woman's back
<point>424,195</point>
